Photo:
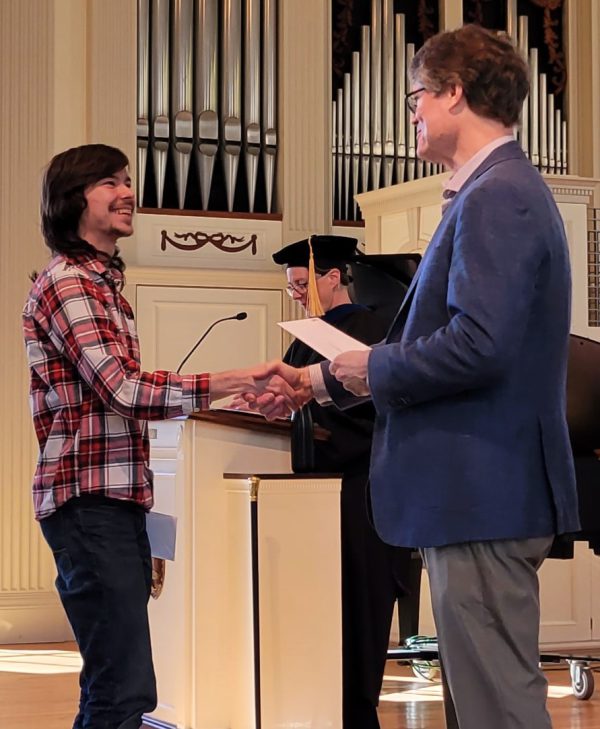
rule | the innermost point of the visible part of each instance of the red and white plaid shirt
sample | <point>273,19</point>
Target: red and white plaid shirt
<point>89,399</point>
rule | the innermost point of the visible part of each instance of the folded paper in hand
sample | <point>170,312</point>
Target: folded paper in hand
<point>161,530</point>
<point>322,337</point>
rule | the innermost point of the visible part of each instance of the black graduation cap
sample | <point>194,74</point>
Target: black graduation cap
<point>322,252</point>
<point>380,281</point>
<point>329,251</point>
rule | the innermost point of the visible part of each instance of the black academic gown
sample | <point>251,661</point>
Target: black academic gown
<point>373,573</point>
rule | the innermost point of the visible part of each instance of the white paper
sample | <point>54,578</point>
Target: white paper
<point>162,530</point>
<point>322,337</point>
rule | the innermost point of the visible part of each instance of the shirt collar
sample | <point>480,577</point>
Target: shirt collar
<point>100,266</point>
<point>463,173</point>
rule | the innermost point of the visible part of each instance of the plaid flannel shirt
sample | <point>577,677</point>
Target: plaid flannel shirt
<point>90,401</point>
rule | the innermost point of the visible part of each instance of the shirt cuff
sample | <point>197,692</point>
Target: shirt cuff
<point>317,382</point>
<point>195,393</point>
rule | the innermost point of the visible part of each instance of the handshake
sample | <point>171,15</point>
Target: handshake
<point>275,389</point>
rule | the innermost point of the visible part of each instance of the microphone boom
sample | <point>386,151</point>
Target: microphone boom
<point>239,317</point>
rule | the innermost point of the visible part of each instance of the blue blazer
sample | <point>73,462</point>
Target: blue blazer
<point>471,439</point>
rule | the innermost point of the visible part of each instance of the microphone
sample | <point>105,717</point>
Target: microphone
<point>242,315</point>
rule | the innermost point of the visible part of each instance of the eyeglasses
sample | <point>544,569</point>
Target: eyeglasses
<point>412,100</point>
<point>299,287</point>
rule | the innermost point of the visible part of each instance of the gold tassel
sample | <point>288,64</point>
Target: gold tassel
<point>313,302</point>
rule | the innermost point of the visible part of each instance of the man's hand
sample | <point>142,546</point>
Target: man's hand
<point>253,381</point>
<point>351,369</point>
<point>283,390</point>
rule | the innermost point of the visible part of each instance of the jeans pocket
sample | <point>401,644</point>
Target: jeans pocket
<point>64,565</point>
<point>97,517</point>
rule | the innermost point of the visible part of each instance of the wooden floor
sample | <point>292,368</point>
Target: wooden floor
<point>38,690</point>
<point>408,703</point>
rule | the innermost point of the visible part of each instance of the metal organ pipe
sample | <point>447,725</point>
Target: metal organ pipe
<point>192,98</point>
<point>182,118</point>
<point>160,93</point>
<point>206,95</point>
<point>143,95</point>
<point>378,145</point>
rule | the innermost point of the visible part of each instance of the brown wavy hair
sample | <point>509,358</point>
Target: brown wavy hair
<point>63,200</point>
<point>488,67</point>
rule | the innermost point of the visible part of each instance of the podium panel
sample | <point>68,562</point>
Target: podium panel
<point>299,599</point>
<point>232,625</point>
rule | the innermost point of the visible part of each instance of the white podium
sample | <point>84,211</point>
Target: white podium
<point>247,631</point>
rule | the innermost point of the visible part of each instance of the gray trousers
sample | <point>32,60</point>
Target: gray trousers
<point>485,599</point>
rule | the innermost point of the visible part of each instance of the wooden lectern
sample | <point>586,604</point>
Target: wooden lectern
<point>243,640</point>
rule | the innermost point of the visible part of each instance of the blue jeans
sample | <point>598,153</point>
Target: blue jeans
<point>102,555</point>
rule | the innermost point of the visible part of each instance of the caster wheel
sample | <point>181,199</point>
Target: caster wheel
<point>429,670</point>
<point>582,681</point>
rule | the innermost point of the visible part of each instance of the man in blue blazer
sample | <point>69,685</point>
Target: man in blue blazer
<point>471,459</point>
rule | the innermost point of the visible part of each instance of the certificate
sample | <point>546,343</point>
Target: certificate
<point>322,337</point>
<point>161,529</point>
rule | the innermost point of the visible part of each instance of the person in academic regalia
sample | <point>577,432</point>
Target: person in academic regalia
<point>373,573</point>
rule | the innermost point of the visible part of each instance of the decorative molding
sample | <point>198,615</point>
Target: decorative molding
<point>179,240</point>
<point>32,617</point>
<point>571,192</point>
<point>205,277</point>
<point>200,239</point>
<point>296,483</point>
<point>29,600</point>
<point>571,187</point>
<point>208,214</point>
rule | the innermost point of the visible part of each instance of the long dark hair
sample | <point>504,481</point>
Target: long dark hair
<point>63,201</point>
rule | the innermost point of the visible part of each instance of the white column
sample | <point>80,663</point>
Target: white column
<point>112,74</point>
<point>305,117</point>
<point>67,77</point>
<point>451,16</point>
<point>582,21</point>
<point>29,609</point>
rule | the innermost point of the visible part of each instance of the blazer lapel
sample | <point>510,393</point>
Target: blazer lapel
<point>510,150</point>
